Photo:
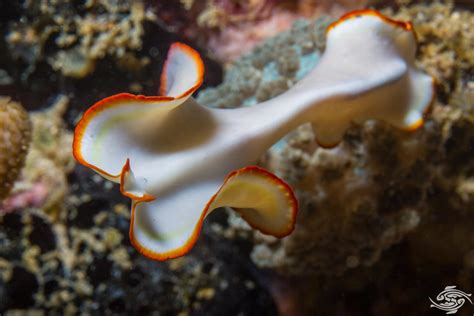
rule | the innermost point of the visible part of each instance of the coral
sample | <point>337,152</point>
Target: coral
<point>446,41</point>
<point>380,185</point>
<point>271,67</point>
<point>235,28</point>
<point>43,181</point>
<point>15,136</point>
<point>71,38</point>
<point>232,28</point>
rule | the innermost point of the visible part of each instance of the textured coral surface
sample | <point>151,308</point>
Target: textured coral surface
<point>72,37</point>
<point>271,68</point>
<point>230,28</point>
<point>15,135</point>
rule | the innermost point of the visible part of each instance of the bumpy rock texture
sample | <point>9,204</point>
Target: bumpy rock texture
<point>230,28</point>
<point>271,68</point>
<point>15,136</point>
<point>380,185</point>
<point>43,180</point>
<point>71,37</point>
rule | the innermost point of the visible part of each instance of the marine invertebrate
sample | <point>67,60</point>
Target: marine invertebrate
<point>15,135</point>
<point>170,154</point>
<point>378,182</point>
<point>79,35</point>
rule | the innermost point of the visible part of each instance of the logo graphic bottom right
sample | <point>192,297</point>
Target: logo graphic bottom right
<point>450,300</point>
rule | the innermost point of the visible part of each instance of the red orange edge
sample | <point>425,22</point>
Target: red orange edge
<point>115,100</point>
<point>292,200</point>
<point>412,128</point>
<point>408,26</point>
<point>197,229</point>
<point>123,98</point>
<point>194,55</point>
<point>144,198</point>
<point>415,126</point>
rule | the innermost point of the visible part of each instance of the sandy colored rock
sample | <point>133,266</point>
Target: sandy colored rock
<point>15,136</point>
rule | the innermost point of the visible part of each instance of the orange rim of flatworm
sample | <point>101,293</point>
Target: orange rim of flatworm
<point>408,26</point>
<point>412,128</point>
<point>293,201</point>
<point>121,99</point>
<point>181,251</point>
<point>97,108</point>
<point>326,146</point>
<point>415,126</point>
<point>144,198</point>
<point>197,59</point>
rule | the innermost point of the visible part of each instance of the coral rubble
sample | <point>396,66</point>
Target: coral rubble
<point>71,38</point>
<point>15,135</point>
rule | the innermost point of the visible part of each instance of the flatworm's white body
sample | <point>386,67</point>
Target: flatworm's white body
<point>171,155</point>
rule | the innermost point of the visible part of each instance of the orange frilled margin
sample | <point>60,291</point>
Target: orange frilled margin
<point>109,102</point>
<point>407,26</point>
<point>191,53</point>
<point>119,99</point>
<point>292,201</point>
<point>124,98</point>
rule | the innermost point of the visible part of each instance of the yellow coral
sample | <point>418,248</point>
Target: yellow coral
<point>15,135</point>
